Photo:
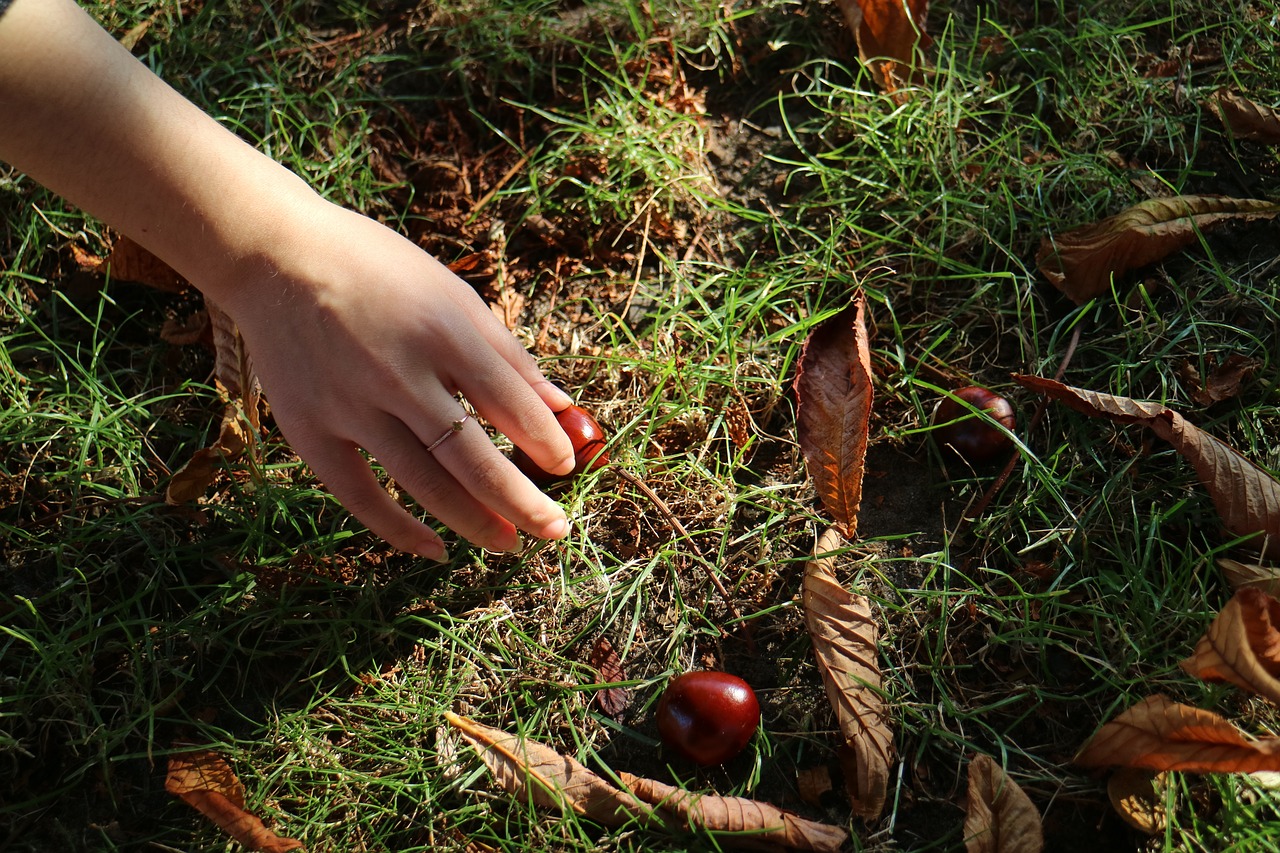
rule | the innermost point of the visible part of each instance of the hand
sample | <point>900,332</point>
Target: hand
<point>361,340</point>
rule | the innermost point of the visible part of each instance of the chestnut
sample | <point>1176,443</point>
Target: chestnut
<point>708,717</point>
<point>971,437</point>
<point>588,447</point>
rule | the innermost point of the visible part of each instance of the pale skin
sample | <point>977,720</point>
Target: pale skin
<point>360,338</point>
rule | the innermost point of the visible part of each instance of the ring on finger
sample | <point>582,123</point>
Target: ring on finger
<point>454,428</point>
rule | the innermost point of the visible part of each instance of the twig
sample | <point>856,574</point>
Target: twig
<point>43,520</point>
<point>662,507</point>
<point>1036,417</point>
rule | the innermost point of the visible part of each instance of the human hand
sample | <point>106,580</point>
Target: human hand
<point>361,340</point>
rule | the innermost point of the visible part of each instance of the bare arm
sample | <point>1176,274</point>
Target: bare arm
<point>360,338</point>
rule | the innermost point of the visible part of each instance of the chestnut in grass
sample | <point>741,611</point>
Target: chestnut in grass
<point>708,717</point>
<point>588,446</point>
<point>966,433</point>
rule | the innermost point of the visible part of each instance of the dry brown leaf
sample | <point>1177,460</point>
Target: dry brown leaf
<point>1224,382</point>
<point>1246,496</point>
<point>813,783</point>
<point>891,38</point>
<point>999,817</point>
<point>128,261</point>
<point>1245,119</point>
<point>1242,645</point>
<point>833,398</point>
<point>763,826</point>
<point>1159,734</point>
<point>232,364</point>
<point>611,701</point>
<point>191,480</point>
<point>845,635</point>
<point>1082,261</point>
<point>241,416</point>
<point>527,768</point>
<point>185,331</point>
<point>1240,574</point>
<point>1135,794</point>
<point>204,781</point>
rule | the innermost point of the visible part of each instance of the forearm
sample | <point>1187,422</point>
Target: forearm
<point>80,115</point>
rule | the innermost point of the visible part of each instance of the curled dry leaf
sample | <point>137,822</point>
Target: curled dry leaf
<point>1245,119</point>
<point>611,701</point>
<point>833,397</point>
<point>1082,261</point>
<point>1223,383</point>
<point>845,636</point>
<point>1160,734</point>
<point>1240,574</point>
<point>814,783</point>
<point>999,817</point>
<point>128,261</point>
<point>762,826</point>
<point>1246,496</point>
<point>529,769</point>
<point>204,781</point>
<point>1136,795</point>
<point>191,480</point>
<point>891,38</point>
<point>241,416</point>
<point>1242,645</point>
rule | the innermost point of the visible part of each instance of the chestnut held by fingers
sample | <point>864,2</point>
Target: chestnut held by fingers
<point>708,717</point>
<point>588,446</point>
<point>974,439</point>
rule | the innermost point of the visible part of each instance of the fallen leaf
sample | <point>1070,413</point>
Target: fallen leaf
<point>1242,645</point>
<point>191,480</point>
<point>845,636</point>
<point>529,769</point>
<point>526,768</point>
<point>185,331</point>
<point>1240,574</point>
<point>1246,496</point>
<point>1081,262</point>
<point>611,701</point>
<point>1245,119</point>
<point>999,817</point>
<point>763,826</point>
<point>833,399</point>
<point>891,38</point>
<point>814,783</point>
<point>1136,795</point>
<point>129,261</point>
<point>241,415</point>
<point>204,781</point>
<point>131,38</point>
<point>232,364</point>
<point>1224,382</point>
<point>1159,734</point>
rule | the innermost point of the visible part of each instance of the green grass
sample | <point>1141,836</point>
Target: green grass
<point>671,264</point>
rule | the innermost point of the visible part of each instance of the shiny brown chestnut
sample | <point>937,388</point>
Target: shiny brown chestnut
<point>972,438</point>
<point>708,717</point>
<point>588,447</point>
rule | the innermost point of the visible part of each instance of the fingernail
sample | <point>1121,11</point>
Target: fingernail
<point>557,529</point>
<point>507,543</point>
<point>560,399</point>
<point>434,549</point>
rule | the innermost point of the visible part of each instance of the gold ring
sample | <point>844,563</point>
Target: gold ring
<point>455,427</point>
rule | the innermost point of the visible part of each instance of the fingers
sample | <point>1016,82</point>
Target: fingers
<point>347,475</point>
<point>468,485</point>
<point>510,391</point>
